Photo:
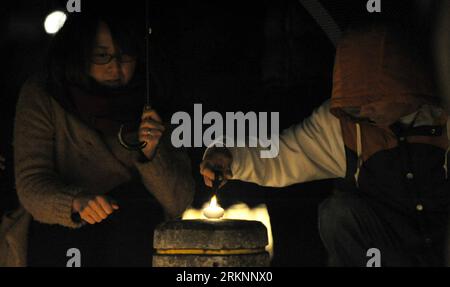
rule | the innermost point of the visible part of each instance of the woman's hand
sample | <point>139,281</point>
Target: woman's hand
<point>2,163</point>
<point>93,208</point>
<point>150,131</point>
<point>216,160</point>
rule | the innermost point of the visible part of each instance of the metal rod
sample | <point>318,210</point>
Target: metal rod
<point>147,52</point>
<point>120,136</point>
<point>218,179</point>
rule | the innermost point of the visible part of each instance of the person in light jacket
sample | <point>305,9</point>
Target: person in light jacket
<point>384,137</point>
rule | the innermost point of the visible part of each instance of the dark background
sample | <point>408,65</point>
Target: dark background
<point>267,55</point>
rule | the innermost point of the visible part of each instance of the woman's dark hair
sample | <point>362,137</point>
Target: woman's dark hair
<point>68,57</point>
<point>67,60</point>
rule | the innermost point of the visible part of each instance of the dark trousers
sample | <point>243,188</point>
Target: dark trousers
<point>350,224</point>
<point>124,239</point>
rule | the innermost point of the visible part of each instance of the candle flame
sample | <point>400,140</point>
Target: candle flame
<point>213,202</point>
<point>213,210</point>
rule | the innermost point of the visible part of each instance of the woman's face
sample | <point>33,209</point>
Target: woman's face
<point>116,72</point>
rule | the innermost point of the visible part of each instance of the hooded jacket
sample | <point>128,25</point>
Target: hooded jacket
<point>384,162</point>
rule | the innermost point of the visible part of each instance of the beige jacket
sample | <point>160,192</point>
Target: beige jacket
<point>311,150</point>
<point>57,156</point>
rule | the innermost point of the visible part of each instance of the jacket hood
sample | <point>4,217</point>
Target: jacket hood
<point>376,65</point>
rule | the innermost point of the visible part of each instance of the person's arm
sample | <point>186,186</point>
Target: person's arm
<point>168,177</point>
<point>165,171</point>
<point>311,150</point>
<point>40,190</point>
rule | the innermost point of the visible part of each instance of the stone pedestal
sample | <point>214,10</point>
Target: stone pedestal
<point>211,243</point>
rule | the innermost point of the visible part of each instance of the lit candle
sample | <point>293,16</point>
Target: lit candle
<point>213,211</point>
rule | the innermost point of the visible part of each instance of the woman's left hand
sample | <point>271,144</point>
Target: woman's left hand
<point>150,131</point>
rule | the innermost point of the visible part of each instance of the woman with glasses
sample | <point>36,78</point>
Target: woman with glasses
<point>78,186</point>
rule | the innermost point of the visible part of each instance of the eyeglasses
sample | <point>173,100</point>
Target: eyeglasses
<point>105,58</point>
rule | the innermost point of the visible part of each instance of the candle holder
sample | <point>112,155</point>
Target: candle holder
<point>213,210</point>
<point>211,243</point>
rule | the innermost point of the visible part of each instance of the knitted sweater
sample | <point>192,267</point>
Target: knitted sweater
<point>57,156</point>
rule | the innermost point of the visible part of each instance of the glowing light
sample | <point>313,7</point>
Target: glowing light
<point>238,211</point>
<point>213,210</point>
<point>54,21</point>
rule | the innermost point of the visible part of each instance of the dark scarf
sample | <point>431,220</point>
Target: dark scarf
<point>105,108</point>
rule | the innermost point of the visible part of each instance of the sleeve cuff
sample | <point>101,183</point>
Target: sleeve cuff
<point>63,209</point>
